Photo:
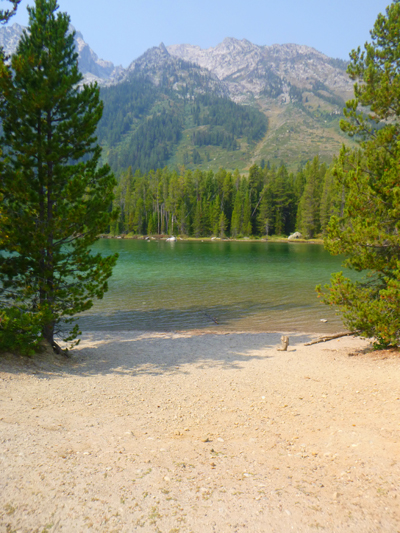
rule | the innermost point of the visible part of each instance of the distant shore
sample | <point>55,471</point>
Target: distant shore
<point>164,237</point>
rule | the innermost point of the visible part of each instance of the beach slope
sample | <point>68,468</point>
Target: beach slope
<point>201,432</point>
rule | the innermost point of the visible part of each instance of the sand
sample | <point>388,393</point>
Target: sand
<point>194,432</point>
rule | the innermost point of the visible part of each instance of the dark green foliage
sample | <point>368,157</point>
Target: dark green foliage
<point>367,229</point>
<point>236,120</point>
<point>126,104</point>
<point>56,198</point>
<point>309,208</point>
<point>332,198</point>
<point>277,205</point>
<point>215,137</point>
<point>150,146</point>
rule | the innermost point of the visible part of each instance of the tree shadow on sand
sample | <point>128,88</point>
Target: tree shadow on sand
<point>155,353</point>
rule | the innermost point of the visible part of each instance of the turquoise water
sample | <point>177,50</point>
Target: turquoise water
<point>243,286</point>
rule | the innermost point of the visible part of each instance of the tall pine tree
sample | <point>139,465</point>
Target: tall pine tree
<point>367,230</point>
<point>55,196</point>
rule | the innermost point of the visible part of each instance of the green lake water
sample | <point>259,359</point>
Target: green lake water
<point>244,286</point>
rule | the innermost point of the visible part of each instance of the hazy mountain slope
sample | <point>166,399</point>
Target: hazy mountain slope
<point>93,68</point>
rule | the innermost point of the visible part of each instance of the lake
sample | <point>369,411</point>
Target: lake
<point>246,286</point>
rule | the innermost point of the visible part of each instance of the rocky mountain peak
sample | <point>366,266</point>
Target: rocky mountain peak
<point>151,61</point>
<point>163,68</point>
<point>89,62</point>
<point>249,70</point>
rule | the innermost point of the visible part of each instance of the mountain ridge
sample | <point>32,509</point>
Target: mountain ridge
<point>299,90</point>
<point>244,64</point>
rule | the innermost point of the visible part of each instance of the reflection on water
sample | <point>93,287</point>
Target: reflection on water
<point>261,286</point>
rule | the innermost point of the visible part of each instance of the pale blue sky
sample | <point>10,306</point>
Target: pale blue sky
<point>121,30</point>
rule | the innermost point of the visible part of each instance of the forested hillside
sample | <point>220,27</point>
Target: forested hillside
<point>268,201</point>
<point>144,125</point>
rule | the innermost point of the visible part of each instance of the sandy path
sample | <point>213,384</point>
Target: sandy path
<point>201,433</point>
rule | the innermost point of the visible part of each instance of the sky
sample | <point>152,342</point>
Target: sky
<point>121,30</point>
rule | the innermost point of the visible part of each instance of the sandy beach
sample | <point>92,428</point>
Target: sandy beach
<point>201,432</point>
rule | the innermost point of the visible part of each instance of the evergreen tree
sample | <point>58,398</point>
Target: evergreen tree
<point>246,228</point>
<point>215,211</point>
<point>55,198</point>
<point>152,224</point>
<point>222,225</point>
<point>308,217</point>
<point>264,216</point>
<point>283,199</point>
<point>236,222</point>
<point>198,220</point>
<point>227,195</point>
<point>368,232</point>
<point>332,199</point>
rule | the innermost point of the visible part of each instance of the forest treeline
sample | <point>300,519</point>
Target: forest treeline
<point>269,201</point>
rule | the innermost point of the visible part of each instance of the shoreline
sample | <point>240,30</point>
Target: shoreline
<point>211,239</point>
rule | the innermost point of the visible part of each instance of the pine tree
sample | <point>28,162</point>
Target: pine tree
<point>368,230</point>
<point>215,211</point>
<point>222,225</point>
<point>332,198</point>
<point>198,220</point>
<point>264,216</point>
<point>283,200</point>
<point>236,221</point>
<point>247,230</point>
<point>308,217</point>
<point>55,197</point>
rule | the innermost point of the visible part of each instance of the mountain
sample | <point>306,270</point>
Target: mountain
<point>232,105</point>
<point>165,110</point>
<point>250,71</point>
<point>92,68</point>
<point>162,68</point>
<point>10,36</point>
<point>300,91</point>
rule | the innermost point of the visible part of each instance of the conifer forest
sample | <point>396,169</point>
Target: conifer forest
<point>195,203</point>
